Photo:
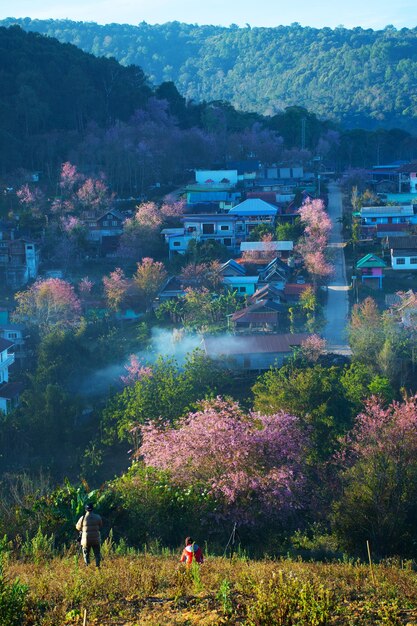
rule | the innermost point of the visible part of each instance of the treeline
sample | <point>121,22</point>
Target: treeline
<point>362,77</point>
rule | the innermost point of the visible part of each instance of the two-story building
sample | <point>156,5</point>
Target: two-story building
<point>252,213</point>
<point>228,229</point>
<point>9,392</point>
<point>202,227</point>
<point>373,216</point>
<point>19,261</point>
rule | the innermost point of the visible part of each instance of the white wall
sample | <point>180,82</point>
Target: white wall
<point>216,176</point>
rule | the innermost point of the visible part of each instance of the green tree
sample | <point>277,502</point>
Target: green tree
<point>315,394</point>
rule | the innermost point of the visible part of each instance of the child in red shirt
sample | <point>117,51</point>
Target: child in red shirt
<point>190,552</point>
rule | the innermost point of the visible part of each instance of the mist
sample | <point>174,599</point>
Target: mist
<point>175,344</point>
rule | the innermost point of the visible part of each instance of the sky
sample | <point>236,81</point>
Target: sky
<point>374,14</point>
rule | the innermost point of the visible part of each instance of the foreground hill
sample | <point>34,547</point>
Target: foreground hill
<point>139,590</point>
<point>360,77</point>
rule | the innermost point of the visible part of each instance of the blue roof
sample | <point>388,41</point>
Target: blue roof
<point>209,217</point>
<point>209,196</point>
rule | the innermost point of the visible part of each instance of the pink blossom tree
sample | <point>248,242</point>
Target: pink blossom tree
<point>136,370</point>
<point>378,474</point>
<point>149,278</point>
<point>312,247</point>
<point>48,304</point>
<point>250,463</point>
<point>313,347</point>
<point>115,288</point>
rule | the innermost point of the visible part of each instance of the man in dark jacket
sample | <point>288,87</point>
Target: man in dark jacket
<point>89,524</point>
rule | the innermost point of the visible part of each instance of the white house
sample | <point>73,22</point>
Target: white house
<point>214,177</point>
<point>403,251</point>
<point>243,285</point>
<point>229,229</point>
<point>9,392</point>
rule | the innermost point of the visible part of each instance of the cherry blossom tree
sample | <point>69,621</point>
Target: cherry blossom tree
<point>250,463</point>
<point>313,347</point>
<point>48,304</point>
<point>378,474</point>
<point>202,275</point>
<point>267,254</point>
<point>149,278</point>
<point>312,246</point>
<point>136,370</point>
<point>115,287</point>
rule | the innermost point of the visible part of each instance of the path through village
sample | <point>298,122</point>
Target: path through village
<point>336,310</point>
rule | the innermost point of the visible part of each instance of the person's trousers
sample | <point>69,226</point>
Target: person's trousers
<point>96,551</point>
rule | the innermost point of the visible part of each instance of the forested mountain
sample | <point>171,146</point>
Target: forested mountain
<point>361,77</point>
<point>48,89</point>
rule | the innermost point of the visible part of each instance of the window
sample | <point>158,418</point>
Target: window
<point>227,241</point>
<point>177,243</point>
<point>106,223</point>
<point>413,260</point>
<point>400,261</point>
<point>246,362</point>
<point>29,247</point>
<point>208,229</point>
<point>242,289</point>
<point>373,219</point>
<point>224,228</point>
<point>12,336</point>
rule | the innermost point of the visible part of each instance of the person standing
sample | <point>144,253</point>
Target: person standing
<point>191,551</point>
<point>89,525</point>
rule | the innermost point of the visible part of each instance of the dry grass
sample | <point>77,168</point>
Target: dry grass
<point>156,591</point>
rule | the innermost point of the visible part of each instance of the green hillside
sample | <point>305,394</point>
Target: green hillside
<point>360,77</point>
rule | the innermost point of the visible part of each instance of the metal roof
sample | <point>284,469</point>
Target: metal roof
<point>253,344</point>
<point>384,211</point>
<point>403,243</point>
<point>253,206</point>
<point>265,246</point>
<point>5,344</point>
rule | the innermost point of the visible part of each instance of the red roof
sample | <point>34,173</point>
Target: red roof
<point>253,344</point>
<point>11,390</point>
<point>291,289</point>
<point>260,317</point>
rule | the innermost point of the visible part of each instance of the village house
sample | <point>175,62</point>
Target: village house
<point>104,230</point>
<point>243,285</point>
<point>281,249</point>
<point>370,269</point>
<point>254,319</point>
<point>372,217</point>
<point>9,392</point>
<point>293,291</point>
<point>19,261</point>
<point>228,229</point>
<point>252,352</point>
<point>275,273</point>
<point>403,252</point>
<point>213,190</point>
<point>251,213</point>
<point>15,333</point>
<point>232,268</point>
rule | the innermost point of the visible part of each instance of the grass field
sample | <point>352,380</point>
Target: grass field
<point>142,589</point>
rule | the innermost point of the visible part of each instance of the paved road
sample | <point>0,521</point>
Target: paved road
<point>336,310</point>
